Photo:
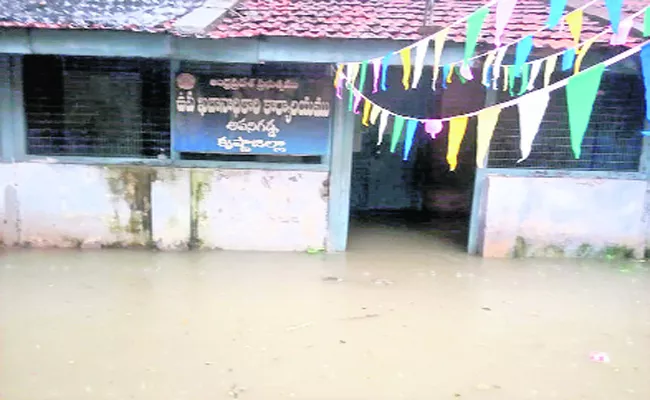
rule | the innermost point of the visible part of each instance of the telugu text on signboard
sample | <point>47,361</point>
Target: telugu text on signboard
<point>252,115</point>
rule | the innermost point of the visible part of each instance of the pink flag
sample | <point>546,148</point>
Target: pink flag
<point>376,68</point>
<point>504,12</point>
<point>357,101</point>
<point>624,28</point>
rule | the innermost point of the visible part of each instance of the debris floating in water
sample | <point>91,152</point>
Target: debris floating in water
<point>599,356</point>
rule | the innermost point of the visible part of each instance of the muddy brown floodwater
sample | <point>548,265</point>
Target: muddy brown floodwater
<point>403,315</point>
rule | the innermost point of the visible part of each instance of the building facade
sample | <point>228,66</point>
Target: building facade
<point>216,140</point>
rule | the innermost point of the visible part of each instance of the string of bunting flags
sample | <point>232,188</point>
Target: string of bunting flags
<point>474,25</point>
<point>493,68</point>
<point>582,87</point>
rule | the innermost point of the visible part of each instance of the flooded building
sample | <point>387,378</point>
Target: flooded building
<point>214,124</point>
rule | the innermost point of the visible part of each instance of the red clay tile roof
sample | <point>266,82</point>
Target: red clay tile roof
<point>392,19</point>
<point>345,19</point>
<point>341,19</point>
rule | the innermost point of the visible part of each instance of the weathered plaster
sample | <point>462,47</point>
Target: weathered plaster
<point>63,205</point>
<point>261,210</point>
<point>534,216</point>
<point>170,197</point>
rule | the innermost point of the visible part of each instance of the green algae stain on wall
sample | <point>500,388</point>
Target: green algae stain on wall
<point>199,187</point>
<point>133,186</point>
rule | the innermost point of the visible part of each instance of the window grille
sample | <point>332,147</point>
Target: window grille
<point>612,141</point>
<point>97,107</point>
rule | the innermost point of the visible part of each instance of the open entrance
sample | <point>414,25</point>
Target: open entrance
<point>418,201</point>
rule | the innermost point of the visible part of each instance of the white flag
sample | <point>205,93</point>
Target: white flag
<point>532,108</point>
<point>420,54</point>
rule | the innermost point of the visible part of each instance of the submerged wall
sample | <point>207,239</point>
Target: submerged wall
<point>539,216</point>
<point>89,206</point>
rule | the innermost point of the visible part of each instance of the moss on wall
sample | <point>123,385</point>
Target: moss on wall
<point>133,185</point>
<point>199,186</point>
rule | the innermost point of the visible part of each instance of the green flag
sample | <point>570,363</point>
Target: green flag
<point>362,77</point>
<point>646,23</point>
<point>525,77</point>
<point>511,80</point>
<point>473,29</point>
<point>398,125</point>
<point>581,93</point>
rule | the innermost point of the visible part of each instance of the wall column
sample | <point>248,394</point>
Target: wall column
<point>340,177</point>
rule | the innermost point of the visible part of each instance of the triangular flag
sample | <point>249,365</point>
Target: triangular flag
<point>532,108</point>
<point>568,59</point>
<point>367,106</point>
<point>556,12</point>
<point>362,76</point>
<point>338,81</point>
<point>496,70</point>
<point>438,46</point>
<point>574,20</point>
<point>581,93</point>
<point>374,113</point>
<point>614,8</point>
<point>645,68</point>
<point>466,72</point>
<point>583,52</point>
<point>487,122</point>
<point>459,73</point>
<point>337,76</point>
<point>646,23</point>
<point>536,67</point>
<point>506,78</point>
<point>433,127</point>
<point>420,54</point>
<point>511,80</point>
<point>411,127</point>
<point>352,71</point>
<point>522,51</point>
<point>504,12</point>
<point>624,28</point>
<point>357,101</point>
<point>446,70</point>
<point>450,73</point>
<point>551,62</point>
<point>383,123</point>
<point>524,79</point>
<point>398,126</point>
<point>405,55</point>
<point>473,30</point>
<point>376,73</point>
<point>384,72</point>
<point>485,79</point>
<point>457,128</point>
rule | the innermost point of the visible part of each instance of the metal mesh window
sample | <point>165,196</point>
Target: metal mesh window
<point>612,141</point>
<point>101,107</point>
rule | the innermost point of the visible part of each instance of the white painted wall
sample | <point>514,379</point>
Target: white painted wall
<point>66,205</point>
<point>563,213</point>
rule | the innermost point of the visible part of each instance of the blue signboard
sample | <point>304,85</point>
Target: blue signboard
<point>237,115</point>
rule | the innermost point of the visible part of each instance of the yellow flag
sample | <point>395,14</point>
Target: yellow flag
<point>366,112</point>
<point>337,76</point>
<point>457,128</point>
<point>551,62</point>
<point>374,114</point>
<point>574,20</point>
<point>486,67</point>
<point>583,52</point>
<point>487,122</point>
<point>438,45</point>
<point>406,65</point>
<point>450,73</point>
